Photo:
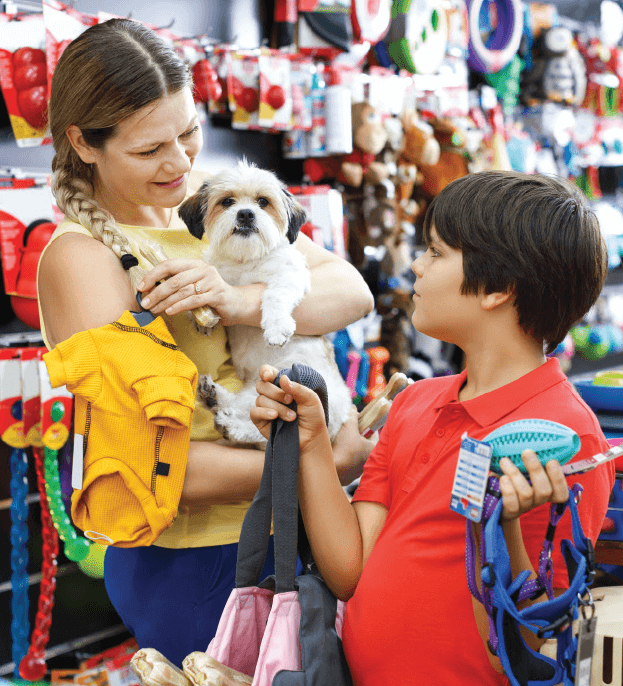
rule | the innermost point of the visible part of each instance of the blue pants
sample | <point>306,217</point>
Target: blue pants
<point>171,599</point>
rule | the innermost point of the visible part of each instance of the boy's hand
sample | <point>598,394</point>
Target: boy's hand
<point>272,403</point>
<point>520,495</point>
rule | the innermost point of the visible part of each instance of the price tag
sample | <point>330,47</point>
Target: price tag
<point>584,655</point>
<point>77,462</point>
<point>470,478</point>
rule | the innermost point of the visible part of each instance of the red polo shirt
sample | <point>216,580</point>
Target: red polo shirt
<point>410,620</point>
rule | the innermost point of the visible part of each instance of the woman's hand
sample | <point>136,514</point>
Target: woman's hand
<point>546,485</point>
<point>351,449</point>
<point>177,291</point>
<point>272,402</point>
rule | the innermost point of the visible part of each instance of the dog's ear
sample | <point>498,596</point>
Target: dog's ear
<point>296,217</point>
<point>192,211</point>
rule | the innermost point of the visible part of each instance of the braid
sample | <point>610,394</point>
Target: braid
<point>74,197</point>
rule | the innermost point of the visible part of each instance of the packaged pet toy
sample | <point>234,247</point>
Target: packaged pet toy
<point>23,76</point>
<point>62,24</point>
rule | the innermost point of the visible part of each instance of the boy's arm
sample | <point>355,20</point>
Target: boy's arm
<point>341,535</point>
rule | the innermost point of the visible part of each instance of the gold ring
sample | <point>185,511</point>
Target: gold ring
<point>197,288</point>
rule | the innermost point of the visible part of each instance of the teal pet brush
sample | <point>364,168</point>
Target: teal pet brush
<point>549,440</point>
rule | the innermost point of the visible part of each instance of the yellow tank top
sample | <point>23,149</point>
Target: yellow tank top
<point>215,524</point>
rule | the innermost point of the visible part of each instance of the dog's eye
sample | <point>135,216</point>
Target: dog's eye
<point>262,202</point>
<point>227,202</point>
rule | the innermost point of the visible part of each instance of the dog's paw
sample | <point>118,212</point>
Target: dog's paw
<point>222,420</point>
<point>206,391</point>
<point>279,333</point>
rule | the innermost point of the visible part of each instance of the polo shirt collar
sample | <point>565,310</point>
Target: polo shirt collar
<point>489,408</point>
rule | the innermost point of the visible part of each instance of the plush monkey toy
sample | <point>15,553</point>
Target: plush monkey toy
<point>369,138</point>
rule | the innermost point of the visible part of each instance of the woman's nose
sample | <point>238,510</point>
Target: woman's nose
<point>178,161</point>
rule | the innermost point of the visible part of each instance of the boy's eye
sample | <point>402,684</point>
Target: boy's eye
<point>262,202</point>
<point>227,202</point>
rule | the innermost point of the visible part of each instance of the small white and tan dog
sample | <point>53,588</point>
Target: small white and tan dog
<point>251,222</point>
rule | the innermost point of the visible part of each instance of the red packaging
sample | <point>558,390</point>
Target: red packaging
<point>243,89</point>
<point>62,25</point>
<point>11,422</point>
<point>23,76</point>
<point>275,111</point>
<point>31,400</point>
<point>25,227</point>
<point>56,408</point>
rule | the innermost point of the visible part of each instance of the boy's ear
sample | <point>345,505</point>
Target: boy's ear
<point>490,301</point>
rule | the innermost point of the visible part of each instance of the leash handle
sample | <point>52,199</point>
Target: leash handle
<point>277,496</point>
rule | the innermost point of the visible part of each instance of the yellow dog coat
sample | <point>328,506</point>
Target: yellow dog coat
<point>134,399</point>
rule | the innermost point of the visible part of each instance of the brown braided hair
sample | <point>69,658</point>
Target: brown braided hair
<point>109,72</point>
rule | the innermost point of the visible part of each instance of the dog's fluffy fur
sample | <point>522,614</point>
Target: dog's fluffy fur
<point>251,222</point>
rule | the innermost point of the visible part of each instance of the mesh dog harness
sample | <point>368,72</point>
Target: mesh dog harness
<point>500,594</point>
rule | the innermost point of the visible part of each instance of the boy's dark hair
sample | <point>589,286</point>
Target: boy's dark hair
<point>531,234</point>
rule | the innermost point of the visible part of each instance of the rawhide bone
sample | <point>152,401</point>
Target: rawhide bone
<point>204,670</point>
<point>374,414</point>
<point>154,254</point>
<point>153,669</point>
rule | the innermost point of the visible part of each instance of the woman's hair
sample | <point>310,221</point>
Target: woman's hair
<point>529,234</point>
<point>109,72</point>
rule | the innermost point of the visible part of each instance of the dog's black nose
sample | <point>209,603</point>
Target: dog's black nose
<point>245,216</point>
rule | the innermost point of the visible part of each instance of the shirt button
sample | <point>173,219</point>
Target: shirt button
<point>425,458</point>
<point>440,432</point>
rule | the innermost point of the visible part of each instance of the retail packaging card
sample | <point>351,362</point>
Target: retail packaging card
<point>470,478</point>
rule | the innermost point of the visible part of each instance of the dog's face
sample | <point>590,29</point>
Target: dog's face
<point>244,212</point>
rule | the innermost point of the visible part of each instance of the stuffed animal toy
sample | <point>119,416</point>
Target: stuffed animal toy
<point>452,163</point>
<point>558,72</point>
<point>369,138</point>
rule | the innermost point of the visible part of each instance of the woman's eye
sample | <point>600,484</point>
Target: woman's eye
<point>262,202</point>
<point>149,153</point>
<point>188,134</point>
<point>228,202</point>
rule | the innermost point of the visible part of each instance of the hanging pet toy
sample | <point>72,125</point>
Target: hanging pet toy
<point>11,429</point>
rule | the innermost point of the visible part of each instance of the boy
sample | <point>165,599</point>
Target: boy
<point>512,261</point>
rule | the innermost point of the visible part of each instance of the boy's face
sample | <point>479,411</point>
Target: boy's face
<point>441,310</point>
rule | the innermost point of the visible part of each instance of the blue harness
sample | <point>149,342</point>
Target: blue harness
<point>500,594</point>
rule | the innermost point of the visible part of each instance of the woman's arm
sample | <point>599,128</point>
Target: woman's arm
<point>338,296</point>
<point>81,285</point>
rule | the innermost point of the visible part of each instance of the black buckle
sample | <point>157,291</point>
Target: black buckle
<point>590,560</point>
<point>487,575</point>
<point>557,626</point>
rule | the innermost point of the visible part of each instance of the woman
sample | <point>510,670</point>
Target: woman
<point>126,134</point>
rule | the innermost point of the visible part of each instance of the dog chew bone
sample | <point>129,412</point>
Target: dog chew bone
<point>153,669</point>
<point>376,418</point>
<point>154,254</point>
<point>204,670</point>
<point>397,383</point>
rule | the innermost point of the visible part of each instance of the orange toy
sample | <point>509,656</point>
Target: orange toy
<point>452,162</point>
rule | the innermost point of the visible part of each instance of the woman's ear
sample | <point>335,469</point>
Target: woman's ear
<point>84,151</point>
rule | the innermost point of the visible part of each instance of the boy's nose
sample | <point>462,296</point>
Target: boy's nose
<point>416,267</point>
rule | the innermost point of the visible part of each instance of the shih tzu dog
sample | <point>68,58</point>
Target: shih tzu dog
<point>251,222</point>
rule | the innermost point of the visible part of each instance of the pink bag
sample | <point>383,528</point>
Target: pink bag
<point>286,630</point>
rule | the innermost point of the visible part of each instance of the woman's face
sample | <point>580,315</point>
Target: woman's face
<point>147,160</point>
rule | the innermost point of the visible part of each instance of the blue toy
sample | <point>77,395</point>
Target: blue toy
<point>549,440</point>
